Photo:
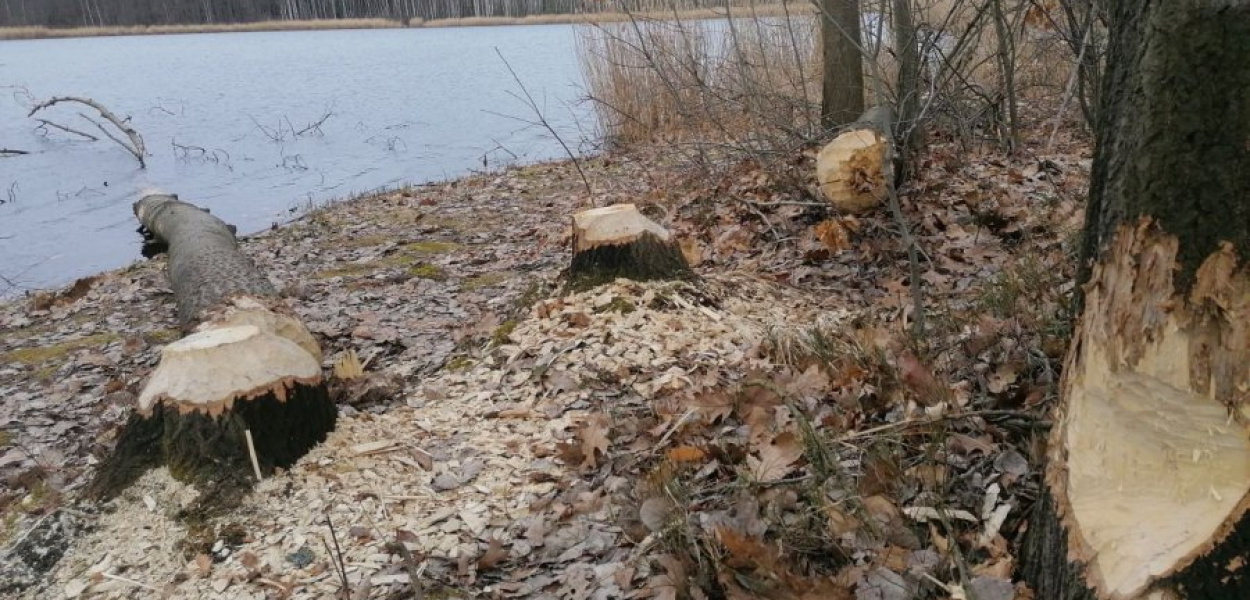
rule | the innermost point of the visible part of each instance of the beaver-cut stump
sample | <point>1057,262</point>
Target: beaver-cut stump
<point>249,368</point>
<point>619,242</point>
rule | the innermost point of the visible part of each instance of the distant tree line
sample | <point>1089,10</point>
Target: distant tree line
<point>113,13</point>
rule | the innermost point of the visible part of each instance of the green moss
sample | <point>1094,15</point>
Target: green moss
<point>38,355</point>
<point>618,304</point>
<point>500,336</point>
<point>427,271</point>
<point>484,280</point>
<point>429,247</point>
<point>8,527</point>
<point>460,363</point>
<point>349,270</point>
<point>162,336</point>
<point>6,438</point>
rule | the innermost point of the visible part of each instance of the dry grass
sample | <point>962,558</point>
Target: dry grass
<point>742,80</point>
<point>766,10</point>
<point>754,83</point>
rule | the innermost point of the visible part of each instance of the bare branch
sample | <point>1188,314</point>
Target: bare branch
<point>135,147</point>
<point>542,120</point>
<point>47,123</point>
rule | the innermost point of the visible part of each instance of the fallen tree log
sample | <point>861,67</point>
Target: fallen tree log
<point>853,169</point>
<point>241,395</point>
<point>619,242</point>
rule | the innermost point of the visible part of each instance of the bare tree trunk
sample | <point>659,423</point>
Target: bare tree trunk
<point>1147,483</point>
<point>908,127</point>
<point>842,93</point>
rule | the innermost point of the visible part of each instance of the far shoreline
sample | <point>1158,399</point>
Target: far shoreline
<point>764,10</point>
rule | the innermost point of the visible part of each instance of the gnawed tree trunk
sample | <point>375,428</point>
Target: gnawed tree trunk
<point>842,88</point>
<point>249,369</point>
<point>852,169</point>
<point>1147,484</point>
<point>619,242</point>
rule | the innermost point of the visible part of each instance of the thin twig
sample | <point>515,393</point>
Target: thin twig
<point>12,152</point>
<point>47,123</point>
<point>542,120</point>
<point>337,555</point>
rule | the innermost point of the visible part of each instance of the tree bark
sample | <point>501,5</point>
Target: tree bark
<point>908,127</point>
<point>619,242</point>
<point>1147,483</point>
<point>249,369</point>
<point>842,91</point>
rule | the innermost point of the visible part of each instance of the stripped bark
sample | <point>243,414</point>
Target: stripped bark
<point>1147,483</point>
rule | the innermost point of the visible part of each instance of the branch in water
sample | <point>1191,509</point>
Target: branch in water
<point>135,147</point>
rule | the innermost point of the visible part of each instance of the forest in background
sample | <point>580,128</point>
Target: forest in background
<point>126,13</point>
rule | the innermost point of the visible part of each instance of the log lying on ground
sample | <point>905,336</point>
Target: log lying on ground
<point>249,368</point>
<point>852,170</point>
<point>619,242</point>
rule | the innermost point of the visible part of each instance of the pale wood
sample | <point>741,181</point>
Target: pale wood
<point>612,225</point>
<point>853,169</point>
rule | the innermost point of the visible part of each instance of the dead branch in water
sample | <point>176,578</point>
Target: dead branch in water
<point>44,124</point>
<point>5,152</point>
<point>135,145</point>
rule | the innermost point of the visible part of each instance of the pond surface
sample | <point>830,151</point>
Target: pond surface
<point>222,116</point>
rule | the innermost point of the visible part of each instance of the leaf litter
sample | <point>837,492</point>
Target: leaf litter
<point>770,431</point>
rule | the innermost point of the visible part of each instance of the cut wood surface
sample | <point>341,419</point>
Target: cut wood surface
<point>852,169</point>
<point>620,242</point>
<point>241,394</point>
<point>1147,484</point>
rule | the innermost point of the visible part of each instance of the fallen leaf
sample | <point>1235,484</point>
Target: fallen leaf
<point>494,553</point>
<point>775,459</point>
<point>594,438</point>
<point>682,454</point>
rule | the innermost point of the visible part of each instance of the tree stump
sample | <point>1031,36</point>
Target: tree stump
<point>852,170</point>
<point>243,392</point>
<point>619,242</point>
<point>1146,492</point>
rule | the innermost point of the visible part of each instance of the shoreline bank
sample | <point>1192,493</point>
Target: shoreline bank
<point>41,32</point>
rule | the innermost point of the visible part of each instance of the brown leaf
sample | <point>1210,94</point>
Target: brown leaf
<point>776,459</point>
<point>248,560</point>
<point>203,564</point>
<point>594,438</point>
<point>686,454</point>
<point>494,553</point>
<point>834,235</point>
<point>917,377</point>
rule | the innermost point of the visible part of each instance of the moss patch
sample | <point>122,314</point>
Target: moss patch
<point>162,336</point>
<point>501,333</point>
<point>484,280</point>
<point>34,356</point>
<point>365,241</point>
<point>429,247</point>
<point>618,304</point>
<point>349,270</point>
<point>460,363</point>
<point>427,271</point>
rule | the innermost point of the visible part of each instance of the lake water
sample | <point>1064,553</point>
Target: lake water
<point>407,106</point>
